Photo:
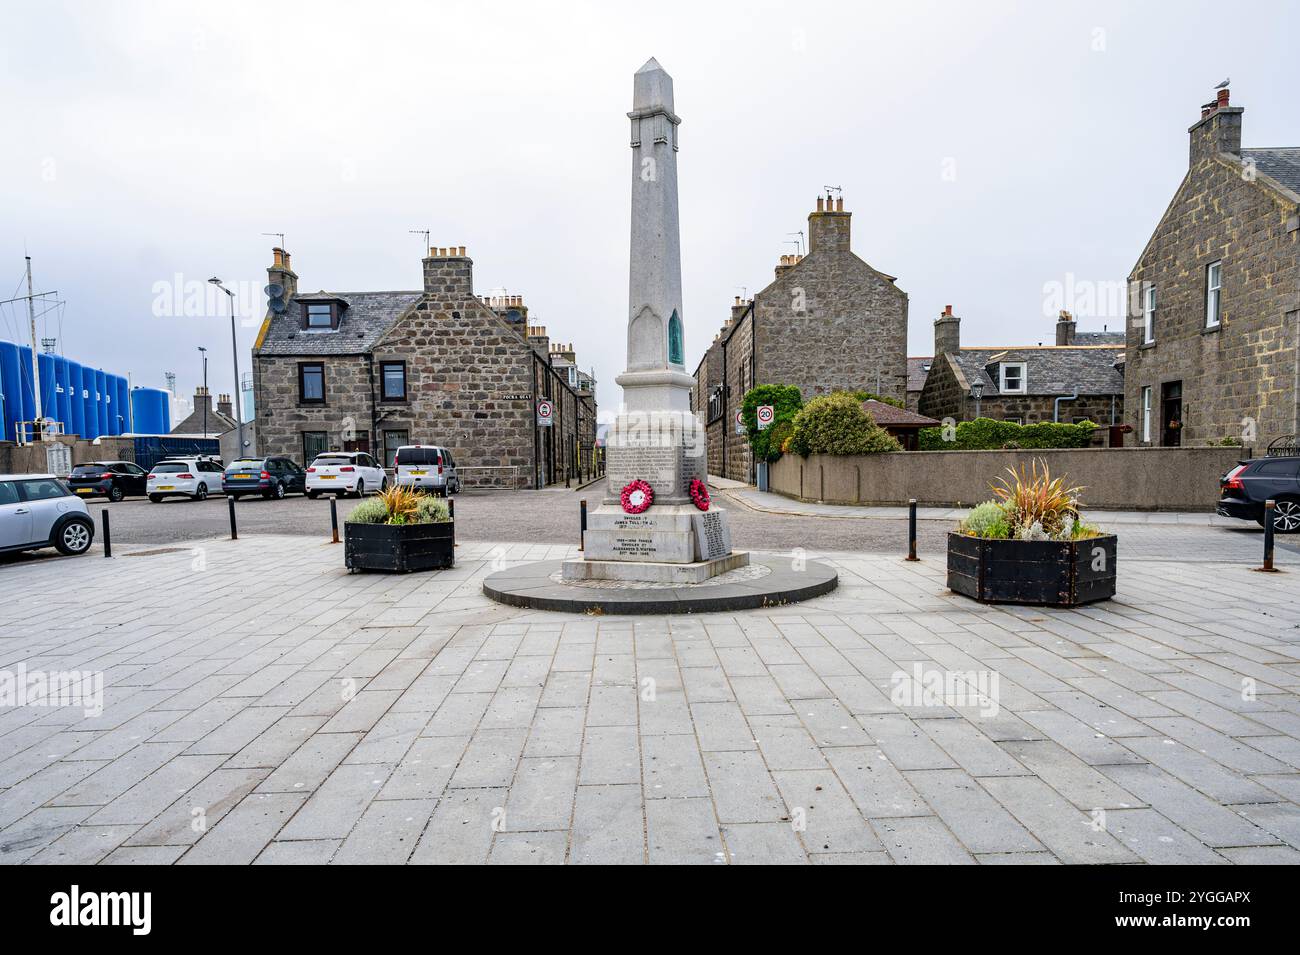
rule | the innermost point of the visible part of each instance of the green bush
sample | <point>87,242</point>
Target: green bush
<point>987,520</point>
<point>985,434</point>
<point>786,400</point>
<point>432,510</point>
<point>836,424</point>
<point>370,511</point>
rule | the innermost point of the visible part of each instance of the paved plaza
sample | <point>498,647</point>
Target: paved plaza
<point>260,705</point>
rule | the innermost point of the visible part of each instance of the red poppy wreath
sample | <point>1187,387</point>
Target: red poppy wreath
<point>637,496</point>
<point>700,494</point>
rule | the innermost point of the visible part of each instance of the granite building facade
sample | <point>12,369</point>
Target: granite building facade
<point>1213,349</point>
<point>1079,378</point>
<point>375,370</point>
<point>828,321</point>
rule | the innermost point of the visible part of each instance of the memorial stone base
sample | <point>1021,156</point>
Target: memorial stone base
<point>666,450</point>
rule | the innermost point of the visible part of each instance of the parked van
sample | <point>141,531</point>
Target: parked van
<point>427,467</point>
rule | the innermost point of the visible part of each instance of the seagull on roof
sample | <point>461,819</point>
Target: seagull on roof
<point>1224,84</point>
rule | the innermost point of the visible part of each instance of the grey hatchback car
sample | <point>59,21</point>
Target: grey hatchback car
<point>38,510</point>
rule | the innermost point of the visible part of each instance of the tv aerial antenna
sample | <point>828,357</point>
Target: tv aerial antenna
<point>425,233</point>
<point>278,235</point>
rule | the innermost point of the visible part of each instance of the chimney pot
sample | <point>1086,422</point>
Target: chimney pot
<point>839,204</point>
<point>947,309</point>
<point>460,250</point>
<point>819,204</point>
<point>1222,99</point>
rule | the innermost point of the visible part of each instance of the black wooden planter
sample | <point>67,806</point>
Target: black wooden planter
<point>1046,573</point>
<point>399,548</point>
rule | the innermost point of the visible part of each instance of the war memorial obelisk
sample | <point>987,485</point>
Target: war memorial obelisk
<point>656,439</point>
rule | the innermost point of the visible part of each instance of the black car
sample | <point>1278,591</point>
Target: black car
<point>269,477</point>
<point>1244,489</point>
<point>111,479</point>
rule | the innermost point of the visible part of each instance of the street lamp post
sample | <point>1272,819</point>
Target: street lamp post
<point>234,351</point>
<point>204,352</point>
<point>977,392</point>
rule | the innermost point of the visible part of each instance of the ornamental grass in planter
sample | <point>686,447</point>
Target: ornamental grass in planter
<point>398,531</point>
<point>1030,545</point>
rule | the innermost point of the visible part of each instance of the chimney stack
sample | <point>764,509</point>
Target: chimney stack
<point>828,227</point>
<point>449,273</point>
<point>281,273</point>
<point>1217,131</point>
<point>224,408</point>
<point>947,333</point>
<point>1065,326</point>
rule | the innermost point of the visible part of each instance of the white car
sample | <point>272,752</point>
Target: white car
<point>345,472</point>
<point>194,478</point>
<point>38,510</point>
<point>427,467</point>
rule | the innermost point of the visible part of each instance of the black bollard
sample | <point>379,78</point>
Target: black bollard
<point>582,524</point>
<point>911,530</point>
<point>234,531</point>
<point>334,518</point>
<point>108,538</point>
<point>1270,511</point>
<point>451,513</point>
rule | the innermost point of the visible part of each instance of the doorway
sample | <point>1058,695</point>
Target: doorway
<point>1171,414</point>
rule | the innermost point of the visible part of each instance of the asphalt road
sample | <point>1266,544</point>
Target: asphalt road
<point>547,516</point>
<point>551,516</point>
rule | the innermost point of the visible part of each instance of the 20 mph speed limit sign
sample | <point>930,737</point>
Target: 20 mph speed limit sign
<point>545,413</point>
<point>765,415</point>
<point>740,422</point>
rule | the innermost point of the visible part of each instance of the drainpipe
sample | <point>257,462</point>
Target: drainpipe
<point>1056,405</point>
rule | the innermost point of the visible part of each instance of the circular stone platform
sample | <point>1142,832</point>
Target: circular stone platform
<point>768,581</point>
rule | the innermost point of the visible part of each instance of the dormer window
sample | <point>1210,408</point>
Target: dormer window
<point>1012,378</point>
<point>318,315</point>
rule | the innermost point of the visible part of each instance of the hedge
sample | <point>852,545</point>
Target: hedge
<point>786,400</point>
<point>836,424</point>
<point>985,434</point>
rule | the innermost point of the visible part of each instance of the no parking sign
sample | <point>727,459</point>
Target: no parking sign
<point>545,413</point>
<point>765,415</point>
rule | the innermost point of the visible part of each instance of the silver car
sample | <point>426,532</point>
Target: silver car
<point>38,510</point>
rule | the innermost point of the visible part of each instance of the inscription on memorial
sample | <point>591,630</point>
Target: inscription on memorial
<point>712,537</point>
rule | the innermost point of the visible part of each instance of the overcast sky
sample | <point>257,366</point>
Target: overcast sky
<point>986,150</point>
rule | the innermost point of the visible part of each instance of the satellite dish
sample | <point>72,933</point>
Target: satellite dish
<point>278,305</point>
<point>274,290</point>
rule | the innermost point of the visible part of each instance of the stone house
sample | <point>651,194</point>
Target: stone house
<point>371,371</point>
<point>1079,378</point>
<point>205,418</point>
<point>918,367</point>
<point>828,321</point>
<point>1213,349</point>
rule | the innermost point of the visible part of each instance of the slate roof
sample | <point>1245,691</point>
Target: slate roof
<point>1280,164</point>
<point>1099,338</point>
<point>1049,369</point>
<point>917,371</point>
<point>366,317</point>
<point>888,416</point>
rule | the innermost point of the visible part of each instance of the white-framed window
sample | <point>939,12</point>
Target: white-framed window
<point>1146,414</point>
<point>1149,315</point>
<point>1213,293</point>
<point>1014,420</point>
<point>1012,377</point>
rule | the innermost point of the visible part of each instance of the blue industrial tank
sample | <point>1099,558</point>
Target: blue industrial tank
<point>101,399</point>
<point>62,404</point>
<point>49,401</point>
<point>26,384</point>
<point>76,405</point>
<point>151,410</point>
<point>90,428</point>
<point>122,402</point>
<point>10,389</point>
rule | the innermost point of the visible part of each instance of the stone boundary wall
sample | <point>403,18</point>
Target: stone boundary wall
<point>1130,479</point>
